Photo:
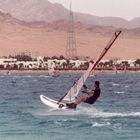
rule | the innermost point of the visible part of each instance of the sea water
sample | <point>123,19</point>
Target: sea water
<point>115,115</point>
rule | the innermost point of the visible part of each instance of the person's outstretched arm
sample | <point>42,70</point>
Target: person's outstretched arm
<point>88,91</point>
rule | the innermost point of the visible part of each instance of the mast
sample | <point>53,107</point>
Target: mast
<point>73,92</point>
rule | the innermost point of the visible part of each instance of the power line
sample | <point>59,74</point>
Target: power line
<point>71,50</point>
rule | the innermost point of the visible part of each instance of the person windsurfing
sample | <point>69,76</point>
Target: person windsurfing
<point>94,95</point>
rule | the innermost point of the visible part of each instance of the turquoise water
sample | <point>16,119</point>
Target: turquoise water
<point>115,116</point>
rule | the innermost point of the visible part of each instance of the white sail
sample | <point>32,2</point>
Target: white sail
<point>51,69</point>
<point>74,91</point>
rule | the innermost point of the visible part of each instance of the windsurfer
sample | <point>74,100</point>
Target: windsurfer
<point>90,100</point>
<point>73,92</point>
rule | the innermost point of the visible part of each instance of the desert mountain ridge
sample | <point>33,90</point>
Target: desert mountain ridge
<point>45,11</point>
<point>49,39</point>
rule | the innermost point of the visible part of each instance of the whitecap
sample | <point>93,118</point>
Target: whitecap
<point>119,92</point>
<point>115,114</point>
<point>96,124</point>
<point>91,112</point>
<point>115,84</point>
<point>44,76</point>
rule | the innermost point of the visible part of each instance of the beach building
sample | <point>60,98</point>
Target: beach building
<point>7,62</point>
<point>77,63</point>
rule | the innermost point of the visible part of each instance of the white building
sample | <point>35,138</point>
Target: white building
<point>130,62</point>
<point>27,64</point>
<point>52,63</point>
<point>7,61</point>
<point>77,63</point>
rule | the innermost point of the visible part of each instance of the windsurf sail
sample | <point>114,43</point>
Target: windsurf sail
<point>74,91</point>
<point>51,69</point>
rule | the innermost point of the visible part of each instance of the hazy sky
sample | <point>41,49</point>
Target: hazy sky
<point>127,9</point>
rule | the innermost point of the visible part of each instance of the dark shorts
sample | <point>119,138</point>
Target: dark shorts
<point>89,100</point>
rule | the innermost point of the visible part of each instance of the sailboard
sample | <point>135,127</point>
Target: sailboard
<point>71,95</point>
<point>51,103</point>
<point>51,71</point>
<point>92,74</point>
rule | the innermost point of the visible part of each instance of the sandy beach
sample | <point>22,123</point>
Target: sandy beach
<point>63,71</point>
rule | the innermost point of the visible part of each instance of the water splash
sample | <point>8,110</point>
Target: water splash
<point>91,112</point>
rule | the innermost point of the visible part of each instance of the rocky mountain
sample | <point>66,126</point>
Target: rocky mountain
<point>45,11</point>
<point>135,23</point>
<point>49,39</point>
<point>33,10</point>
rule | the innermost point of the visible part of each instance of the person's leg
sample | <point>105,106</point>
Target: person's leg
<point>80,99</point>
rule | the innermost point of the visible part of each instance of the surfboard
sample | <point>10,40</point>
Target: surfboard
<point>52,103</point>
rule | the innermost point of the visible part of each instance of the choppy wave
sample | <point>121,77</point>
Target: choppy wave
<point>96,124</point>
<point>23,76</point>
<point>84,111</point>
<point>119,92</point>
<point>116,116</point>
<point>44,76</point>
<point>93,112</point>
<point>126,86</point>
<point>115,84</point>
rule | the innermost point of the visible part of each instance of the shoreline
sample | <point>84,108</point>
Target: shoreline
<point>64,71</point>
